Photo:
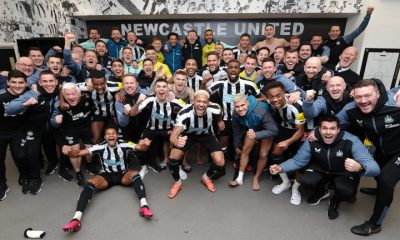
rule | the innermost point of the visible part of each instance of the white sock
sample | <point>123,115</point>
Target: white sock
<point>240,176</point>
<point>143,202</point>
<point>205,177</point>
<point>179,181</point>
<point>78,215</point>
<point>285,178</point>
<point>295,187</point>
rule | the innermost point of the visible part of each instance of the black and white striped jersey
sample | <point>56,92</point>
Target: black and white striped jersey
<point>113,160</point>
<point>194,82</point>
<point>290,115</point>
<point>194,124</point>
<point>226,90</point>
<point>104,103</point>
<point>219,75</point>
<point>237,52</point>
<point>136,50</point>
<point>162,115</point>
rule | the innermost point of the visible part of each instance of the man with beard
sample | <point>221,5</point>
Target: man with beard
<point>278,55</point>
<point>312,77</point>
<point>116,43</point>
<point>318,49</point>
<point>227,55</point>
<point>119,167</point>
<point>194,80</point>
<point>336,157</point>
<point>147,77</point>
<point>342,69</point>
<point>305,52</point>
<point>212,73</point>
<point>102,54</point>
<point>75,123</point>
<point>12,132</point>
<point>375,113</point>
<point>38,106</point>
<point>251,122</point>
<point>334,98</point>
<point>80,71</point>
<point>162,119</point>
<point>194,124</point>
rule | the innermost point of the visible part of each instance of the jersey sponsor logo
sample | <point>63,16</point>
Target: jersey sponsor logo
<point>388,119</point>
<point>192,129</point>
<point>339,153</point>
<point>317,150</point>
<point>397,161</point>
<point>228,98</point>
<point>70,140</point>
<point>360,122</point>
<point>111,163</point>
<point>161,117</point>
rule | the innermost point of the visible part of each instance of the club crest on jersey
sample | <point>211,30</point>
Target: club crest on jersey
<point>360,122</point>
<point>339,153</point>
<point>388,119</point>
<point>317,150</point>
<point>397,161</point>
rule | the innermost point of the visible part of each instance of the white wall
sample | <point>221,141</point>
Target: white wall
<point>383,30</point>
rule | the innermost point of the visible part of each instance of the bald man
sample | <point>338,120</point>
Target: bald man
<point>342,69</point>
<point>332,100</point>
<point>24,64</point>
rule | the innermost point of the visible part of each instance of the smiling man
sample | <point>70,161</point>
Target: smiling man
<point>342,69</point>
<point>336,157</point>
<point>194,124</point>
<point>12,131</point>
<point>119,167</point>
<point>375,113</point>
<point>38,106</point>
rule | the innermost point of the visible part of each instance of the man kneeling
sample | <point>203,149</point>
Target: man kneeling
<point>337,157</point>
<point>115,158</point>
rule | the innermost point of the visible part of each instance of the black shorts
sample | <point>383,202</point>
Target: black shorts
<point>227,130</point>
<point>284,134</point>
<point>153,134</point>
<point>113,178</point>
<point>109,121</point>
<point>73,137</point>
<point>208,141</point>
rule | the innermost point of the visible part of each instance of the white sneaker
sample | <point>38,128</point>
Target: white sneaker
<point>278,189</point>
<point>143,171</point>
<point>295,199</point>
<point>182,174</point>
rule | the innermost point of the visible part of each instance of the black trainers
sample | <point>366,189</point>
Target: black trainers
<point>26,186</point>
<point>64,175</point>
<point>316,197</point>
<point>36,186</point>
<point>366,229</point>
<point>3,192</point>
<point>50,168</point>
<point>155,167</point>
<point>92,168</point>
<point>368,191</point>
<point>81,179</point>
<point>333,209</point>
